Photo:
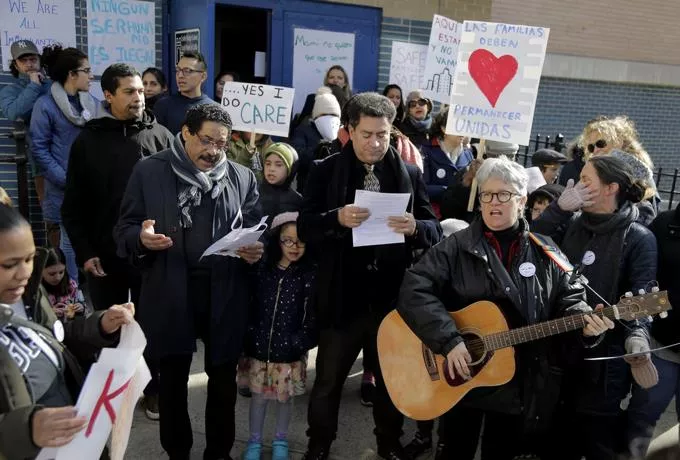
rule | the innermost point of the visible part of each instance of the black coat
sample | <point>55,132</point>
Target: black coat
<point>102,158</point>
<point>464,269</point>
<point>275,199</point>
<point>666,228</point>
<point>454,199</point>
<point>165,311</point>
<point>328,189</point>
<point>419,136</point>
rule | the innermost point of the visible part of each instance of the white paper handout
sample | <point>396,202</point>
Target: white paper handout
<point>374,231</point>
<point>236,239</point>
<point>108,398</point>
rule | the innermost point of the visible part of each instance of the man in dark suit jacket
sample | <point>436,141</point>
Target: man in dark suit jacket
<point>357,287</point>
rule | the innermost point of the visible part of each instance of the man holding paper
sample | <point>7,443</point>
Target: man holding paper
<point>357,284</point>
<point>177,203</point>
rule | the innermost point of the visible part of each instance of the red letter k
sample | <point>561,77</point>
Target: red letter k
<point>105,399</point>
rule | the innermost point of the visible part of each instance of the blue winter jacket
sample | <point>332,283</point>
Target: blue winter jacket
<point>282,325</point>
<point>51,137</point>
<point>438,169</point>
<point>17,98</point>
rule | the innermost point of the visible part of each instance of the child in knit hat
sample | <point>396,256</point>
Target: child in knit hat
<point>276,193</point>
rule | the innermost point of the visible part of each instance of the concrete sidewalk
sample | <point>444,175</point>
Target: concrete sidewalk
<point>355,426</point>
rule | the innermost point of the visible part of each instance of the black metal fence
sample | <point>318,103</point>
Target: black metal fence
<point>21,161</point>
<point>666,178</point>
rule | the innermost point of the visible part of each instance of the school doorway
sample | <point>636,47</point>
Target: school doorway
<point>242,37</point>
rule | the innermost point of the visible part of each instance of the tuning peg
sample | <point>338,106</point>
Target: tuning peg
<point>663,315</point>
<point>650,319</point>
<point>628,294</point>
<point>655,289</point>
<point>642,292</point>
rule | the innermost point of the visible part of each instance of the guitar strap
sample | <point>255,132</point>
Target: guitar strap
<point>551,250</point>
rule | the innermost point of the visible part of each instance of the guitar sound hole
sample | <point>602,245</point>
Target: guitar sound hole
<point>480,356</point>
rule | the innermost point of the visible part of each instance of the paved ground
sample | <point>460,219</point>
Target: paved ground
<point>355,437</point>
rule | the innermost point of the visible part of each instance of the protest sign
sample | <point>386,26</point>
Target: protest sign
<point>259,108</point>
<point>442,57</point>
<point>44,22</point>
<point>496,81</point>
<point>314,52</point>
<point>407,65</point>
<point>121,31</point>
<point>108,398</point>
<point>187,40</point>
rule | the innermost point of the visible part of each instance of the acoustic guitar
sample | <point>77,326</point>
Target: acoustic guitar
<point>418,380</point>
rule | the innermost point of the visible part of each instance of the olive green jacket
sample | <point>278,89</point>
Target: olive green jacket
<point>240,152</point>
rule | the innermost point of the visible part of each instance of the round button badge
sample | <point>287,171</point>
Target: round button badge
<point>527,269</point>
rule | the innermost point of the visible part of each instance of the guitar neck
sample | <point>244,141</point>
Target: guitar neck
<point>541,330</point>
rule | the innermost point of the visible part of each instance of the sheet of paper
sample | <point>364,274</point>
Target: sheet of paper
<point>236,239</point>
<point>375,231</point>
<point>107,399</point>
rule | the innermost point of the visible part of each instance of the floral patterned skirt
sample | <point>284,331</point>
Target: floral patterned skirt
<point>279,381</point>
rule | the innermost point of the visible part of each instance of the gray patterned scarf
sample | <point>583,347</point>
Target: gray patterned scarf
<point>196,182</point>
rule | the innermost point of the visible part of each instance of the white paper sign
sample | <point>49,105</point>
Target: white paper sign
<point>407,65</point>
<point>44,22</point>
<point>121,31</point>
<point>260,108</point>
<point>108,397</point>
<point>496,81</point>
<point>375,231</point>
<point>314,52</point>
<point>442,58</point>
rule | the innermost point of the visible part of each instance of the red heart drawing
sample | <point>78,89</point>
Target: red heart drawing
<point>491,74</point>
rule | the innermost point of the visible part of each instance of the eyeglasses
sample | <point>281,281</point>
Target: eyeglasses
<point>599,144</point>
<point>87,70</point>
<point>503,197</point>
<point>289,243</point>
<point>187,72</point>
<point>419,102</point>
<point>206,142</point>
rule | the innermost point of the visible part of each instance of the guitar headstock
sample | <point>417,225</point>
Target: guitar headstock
<point>643,305</point>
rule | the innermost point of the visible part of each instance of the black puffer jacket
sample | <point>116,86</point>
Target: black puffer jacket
<point>464,269</point>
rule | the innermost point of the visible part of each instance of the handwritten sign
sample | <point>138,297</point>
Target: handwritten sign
<point>407,65</point>
<point>314,52</point>
<point>187,40</point>
<point>108,397</point>
<point>496,81</point>
<point>44,22</point>
<point>121,31</point>
<point>442,57</point>
<point>259,108</point>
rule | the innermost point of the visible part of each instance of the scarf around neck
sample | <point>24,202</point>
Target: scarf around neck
<point>91,109</point>
<point>421,125</point>
<point>604,235</point>
<point>195,183</point>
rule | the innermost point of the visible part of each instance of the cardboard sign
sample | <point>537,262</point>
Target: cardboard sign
<point>108,398</point>
<point>259,108</point>
<point>442,58</point>
<point>314,52</point>
<point>187,40</point>
<point>407,66</point>
<point>121,31</point>
<point>496,81</point>
<point>44,22</point>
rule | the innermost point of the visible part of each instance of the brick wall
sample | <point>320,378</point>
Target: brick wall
<point>629,30</point>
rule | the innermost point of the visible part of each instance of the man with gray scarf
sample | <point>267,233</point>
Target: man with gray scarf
<point>177,203</point>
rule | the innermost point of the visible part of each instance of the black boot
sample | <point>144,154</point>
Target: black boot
<point>420,445</point>
<point>317,451</point>
<point>393,452</point>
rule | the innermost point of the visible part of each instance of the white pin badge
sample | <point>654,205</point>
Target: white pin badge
<point>588,258</point>
<point>86,114</point>
<point>441,173</point>
<point>527,269</point>
<point>58,330</point>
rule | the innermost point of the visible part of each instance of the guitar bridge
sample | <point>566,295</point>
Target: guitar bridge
<point>430,364</point>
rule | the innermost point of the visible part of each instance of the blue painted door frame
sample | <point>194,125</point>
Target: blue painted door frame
<point>286,15</point>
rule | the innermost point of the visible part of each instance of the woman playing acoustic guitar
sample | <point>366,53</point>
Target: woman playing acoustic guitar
<point>495,260</point>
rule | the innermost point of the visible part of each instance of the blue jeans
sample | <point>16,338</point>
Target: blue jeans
<point>646,406</point>
<point>65,245</point>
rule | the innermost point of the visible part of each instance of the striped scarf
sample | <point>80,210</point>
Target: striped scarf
<point>196,182</point>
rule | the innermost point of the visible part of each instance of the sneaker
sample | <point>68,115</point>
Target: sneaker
<point>316,452</point>
<point>280,449</point>
<point>150,404</point>
<point>393,452</point>
<point>253,451</point>
<point>420,445</point>
<point>367,394</point>
<point>443,452</point>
